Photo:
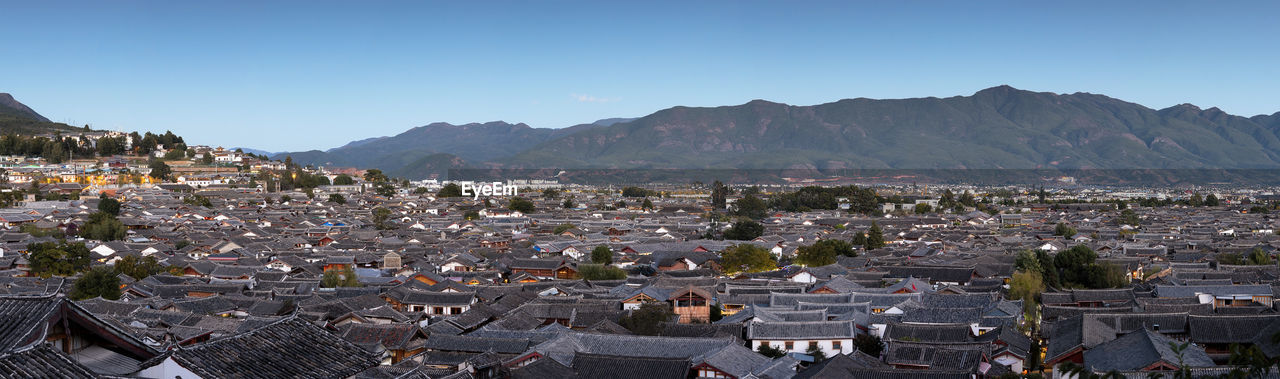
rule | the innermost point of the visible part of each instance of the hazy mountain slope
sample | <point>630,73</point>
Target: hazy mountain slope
<point>999,127</point>
<point>10,106</point>
<point>18,118</point>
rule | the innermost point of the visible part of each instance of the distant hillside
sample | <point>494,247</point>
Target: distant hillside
<point>469,142</point>
<point>254,151</point>
<point>1000,127</point>
<point>18,118</point>
<point>996,128</point>
<point>10,106</point>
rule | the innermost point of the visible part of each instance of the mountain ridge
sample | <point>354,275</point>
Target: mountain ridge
<point>1001,127</point>
<point>11,106</point>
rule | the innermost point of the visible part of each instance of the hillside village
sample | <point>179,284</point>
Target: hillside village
<point>381,280</point>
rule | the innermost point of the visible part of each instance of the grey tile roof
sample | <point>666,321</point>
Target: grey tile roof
<point>1231,290</point>
<point>475,344</point>
<point>801,330</point>
<point>928,332</point>
<point>288,348</point>
<point>21,318</point>
<point>624,367</point>
<point>1227,329</point>
<point>1141,349</point>
<point>41,361</point>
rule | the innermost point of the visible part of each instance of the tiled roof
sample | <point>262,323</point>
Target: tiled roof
<point>41,361</point>
<point>288,348</point>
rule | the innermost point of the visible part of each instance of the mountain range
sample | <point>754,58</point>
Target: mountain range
<point>18,118</point>
<point>996,128</point>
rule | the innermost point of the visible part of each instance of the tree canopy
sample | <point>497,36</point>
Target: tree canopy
<point>58,258</point>
<point>340,278</point>
<point>521,205</point>
<point>748,258</point>
<point>100,281</point>
<point>103,226</point>
<point>601,255</point>
<point>450,190</point>
<point>824,252</point>
<point>600,272</point>
<point>744,230</point>
<point>647,321</point>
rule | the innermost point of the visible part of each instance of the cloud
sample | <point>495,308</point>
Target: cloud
<point>593,99</point>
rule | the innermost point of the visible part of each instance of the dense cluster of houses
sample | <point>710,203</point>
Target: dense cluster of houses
<point>441,295</point>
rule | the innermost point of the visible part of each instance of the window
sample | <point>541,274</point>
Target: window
<point>708,373</point>
<point>437,310</point>
<point>810,345</point>
<point>835,345</point>
<point>788,345</point>
<point>455,310</point>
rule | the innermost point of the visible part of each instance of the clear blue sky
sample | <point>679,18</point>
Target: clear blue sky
<point>280,75</point>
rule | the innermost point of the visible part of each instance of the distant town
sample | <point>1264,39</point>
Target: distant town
<point>141,256</point>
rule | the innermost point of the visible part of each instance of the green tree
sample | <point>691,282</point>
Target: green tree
<point>752,207</point>
<point>947,200</point>
<point>602,255</point>
<point>719,195</point>
<point>875,237</point>
<point>568,203</point>
<point>562,228</point>
<point>343,180</point>
<point>770,351</point>
<point>634,192</point>
<point>647,321</point>
<point>646,205</point>
<point>380,216</point>
<point>859,239</point>
<point>384,189</point>
<point>159,169</point>
<point>471,215</point>
<point>923,208</point>
<point>1064,230</point>
<point>337,198</point>
<point>1230,259</point>
<point>816,353</point>
<point>744,230</point>
<point>199,200</point>
<point>1026,260</point>
<point>375,175</point>
<point>340,278</point>
<point>824,252</point>
<point>109,206</point>
<point>450,190</point>
<point>60,258</point>
<point>1258,257</point>
<point>600,272</point>
<point>1211,200</point>
<point>1073,265</point>
<point>521,205</point>
<point>745,257</point>
<point>1027,286</point>
<point>551,193</point>
<point>1196,200</point>
<point>100,281</point>
<point>138,268</point>
<point>103,226</point>
<point>869,344</point>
